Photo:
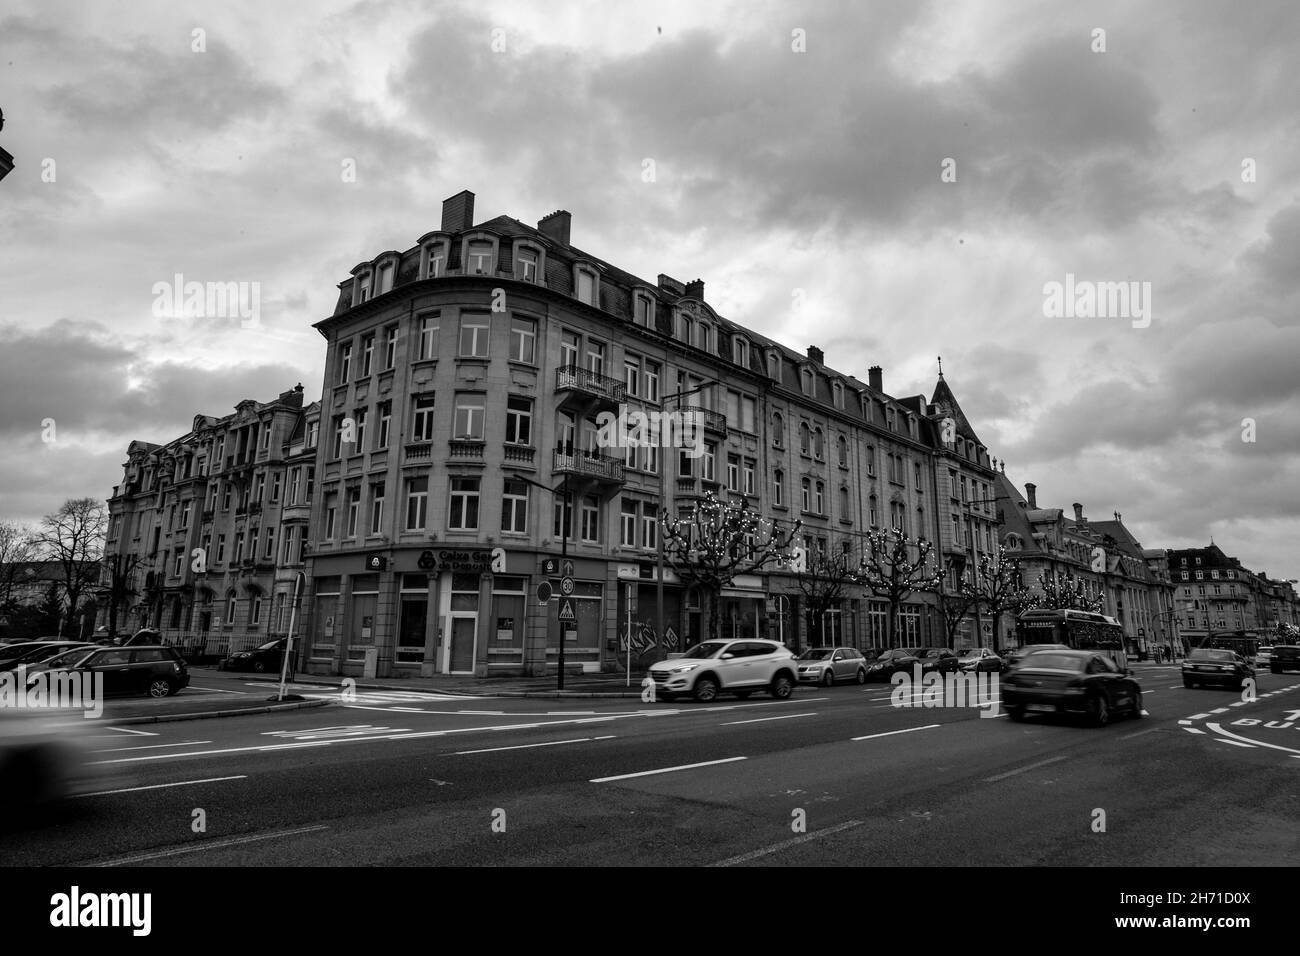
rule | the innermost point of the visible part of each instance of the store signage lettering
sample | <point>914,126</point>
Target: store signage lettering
<point>448,560</point>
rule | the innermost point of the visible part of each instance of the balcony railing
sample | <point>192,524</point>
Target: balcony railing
<point>466,448</point>
<point>419,451</point>
<point>522,453</point>
<point>588,464</point>
<point>713,421</point>
<point>686,486</point>
<point>579,379</point>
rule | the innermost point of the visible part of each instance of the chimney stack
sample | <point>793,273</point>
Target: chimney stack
<point>458,212</point>
<point>817,355</point>
<point>875,378</point>
<point>1078,513</point>
<point>556,226</point>
<point>1031,492</point>
<point>695,290</point>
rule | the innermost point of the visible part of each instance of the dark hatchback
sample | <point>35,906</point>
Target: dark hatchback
<point>268,657</point>
<point>1285,657</point>
<point>1071,682</point>
<point>1213,665</point>
<point>155,671</point>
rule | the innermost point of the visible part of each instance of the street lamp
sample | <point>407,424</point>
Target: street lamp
<point>566,516</point>
<point>663,514</point>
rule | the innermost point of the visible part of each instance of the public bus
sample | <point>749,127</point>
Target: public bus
<point>1082,630</point>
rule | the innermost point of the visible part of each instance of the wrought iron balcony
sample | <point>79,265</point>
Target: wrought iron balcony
<point>575,378</point>
<point>713,421</point>
<point>587,464</point>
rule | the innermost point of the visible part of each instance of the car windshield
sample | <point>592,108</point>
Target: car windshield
<point>1046,660</point>
<point>972,653</point>
<point>1210,654</point>
<point>269,646</point>
<point>707,649</point>
<point>817,654</point>
<point>896,652</point>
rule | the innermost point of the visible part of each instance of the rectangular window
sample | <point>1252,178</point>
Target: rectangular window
<point>526,260</point>
<point>376,509</point>
<point>359,432</point>
<point>747,475</point>
<point>463,510</point>
<point>336,447</point>
<point>385,423</point>
<point>345,362</point>
<point>563,528</point>
<point>268,552</point>
<point>596,356</point>
<point>331,509</point>
<point>390,347</point>
<point>238,553</point>
<point>710,460</point>
<point>570,345</point>
<point>649,526</point>
<point>632,375</point>
<point>367,353</point>
<point>428,336</point>
<point>469,417</point>
<point>650,381</point>
<point>778,489</point>
<point>733,473</point>
<point>277,480</point>
<point>591,519</point>
<point>474,335</point>
<point>293,486</point>
<point>519,420</point>
<point>586,288</point>
<point>221,548</point>
<point>422,420</point>
<point>354,511</point>
<point>514,510</point>
<point>417,503</point>
<point>523,340</point>
<point>186,508</point>
<point>227,490</point>
<point>627,524</point>
<point>385,283</point>
<point>479,258</point>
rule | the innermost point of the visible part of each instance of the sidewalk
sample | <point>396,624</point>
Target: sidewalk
<point>575,685</point>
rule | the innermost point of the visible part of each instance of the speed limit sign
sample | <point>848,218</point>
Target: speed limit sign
<point>566,586</point>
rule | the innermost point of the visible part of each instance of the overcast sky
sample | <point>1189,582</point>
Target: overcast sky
<point>804,186</point>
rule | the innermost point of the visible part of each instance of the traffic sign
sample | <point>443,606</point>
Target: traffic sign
<point>566,610</point>
<point>550,566</point>
<point>376,562</point>
<point>566,586</point>
<point>566,568</point>
<point>544,593</point>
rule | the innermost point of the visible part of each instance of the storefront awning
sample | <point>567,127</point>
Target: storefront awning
<point>754,594</point>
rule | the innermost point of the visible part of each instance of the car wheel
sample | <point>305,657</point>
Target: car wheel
<point>259,666</point>
<point>744,694</point>
<point>828,679</point>
<point>160,687</point>
<point>706,688</point>
<point>1099,709</point>
<point>1016,713</point>
<point>862,676</point>
<point>781,687</point>
<point>1136,713</point>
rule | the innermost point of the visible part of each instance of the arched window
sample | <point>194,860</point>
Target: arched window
<point>774,365</point>
<point>683,329</point>
<point>844,501</point>
<point>843,446</point>
<point>778,430</point>
<point>819,445</point>
<point>805,487</point>
<point>871,512</point>
<point>806,379</point>
<point>871,460</point>
<point>230,607</point>
<point>805,438</point>
<point>837,391</point>
<point>740,351</point>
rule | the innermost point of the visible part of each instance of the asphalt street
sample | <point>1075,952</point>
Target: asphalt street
<point>832,776</point>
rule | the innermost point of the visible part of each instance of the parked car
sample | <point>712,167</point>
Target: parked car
<point>1285,657</point>
<point>1213,665</point>
<point>942,659</point>
<point>1013,658</point>
<point>1071,682</point>
<point>891,662</point>
<point>740,667</point>
<point>267,657</point>
<point>979,659</point>
<point>157,671</point>
<point>831,665</point>
<point>37,653</point>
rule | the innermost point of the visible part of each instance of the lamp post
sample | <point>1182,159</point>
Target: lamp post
<point>663,514</point>
<point>566,517</point>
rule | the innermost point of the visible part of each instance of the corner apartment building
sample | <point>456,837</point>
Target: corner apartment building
<point>216,521</point>
<point>465,379</point>
<point>1217,595</point>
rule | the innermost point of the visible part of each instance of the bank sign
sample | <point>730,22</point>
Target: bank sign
<point>483,562</point>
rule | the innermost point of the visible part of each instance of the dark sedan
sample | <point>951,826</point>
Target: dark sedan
<point>35,652</point>
<point>891,662</point>
<point>268,657</point>
<point>942,659</point>
<point>1071,682</point>
<point>1014,657</point>
<point>1285,657</point>
<point>1213,665</point>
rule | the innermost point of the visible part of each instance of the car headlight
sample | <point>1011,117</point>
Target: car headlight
<point>685,668</point>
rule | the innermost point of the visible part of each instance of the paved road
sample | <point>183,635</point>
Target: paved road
<point>831,776</point>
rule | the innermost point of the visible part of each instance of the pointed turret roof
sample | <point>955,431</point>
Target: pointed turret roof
<point>946,406</point>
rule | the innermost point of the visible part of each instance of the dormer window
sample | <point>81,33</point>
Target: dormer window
<point>740,351</point>
<point>530,262</point>
<point>704,336</point>
<point>837,392</point>
<point>586,284</point>
<point>806,381</point>
<point>683,328</point>
<point>774,365</point>
<point>478,258</point>
<point>384,276</point>
<point>433,259</point>
<point>361,287</point>
<point>643,309</point>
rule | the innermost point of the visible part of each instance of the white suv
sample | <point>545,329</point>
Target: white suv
<point>740,667</point>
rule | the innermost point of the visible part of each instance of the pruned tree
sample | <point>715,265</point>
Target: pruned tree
<point>956,602</point>
<point>18,547</point>
<point>1067,592</point>
<point>822,577</point>
<point>73,537</point>
<point>720,540</point>
<point>999,588</point>
<point>895,566</point>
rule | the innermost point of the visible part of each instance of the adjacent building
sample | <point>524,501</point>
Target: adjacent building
<point>1217,596</point>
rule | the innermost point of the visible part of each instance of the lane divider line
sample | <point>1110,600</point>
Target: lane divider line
<point>891,733</point>
<point>1032,766</point>
<point>785,844</point>
<point>163,786</point>
<point>210,845</point>
<point>651,773</point>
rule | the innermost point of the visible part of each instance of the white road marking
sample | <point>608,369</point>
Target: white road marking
<point>1193,730</point>
<point>187,743</point>
<point>138,733</point>
<point>784,844</point>
<point>1199,716</point>
<point>651,773</point>
<point>219,690</point>
<point>548,743</point>
<point>1032,766</point>
<point>211,845</point>
<point>759,720</point>
<point>1219,710</point>
<point>1150,730</point>
<point>891,733</point>
<point>1237,743</point>
<point>163,786</point>
<point>1258,743</point>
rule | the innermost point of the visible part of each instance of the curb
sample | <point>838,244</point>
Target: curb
<point>556,694</point>
<point>168,718</point>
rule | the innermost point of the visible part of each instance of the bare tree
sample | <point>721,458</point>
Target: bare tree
<point>822,577</point>
<point>999,588</point>
<point>18,546</point>
<point>720,540</point>
<point>894,567</point>
<point>956,603</point>
<point>73,537</point>
<point>1067,592</point>
<point>118,584</point>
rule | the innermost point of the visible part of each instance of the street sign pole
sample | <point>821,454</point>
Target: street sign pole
<point>564,555</point>
<point>628,682</point>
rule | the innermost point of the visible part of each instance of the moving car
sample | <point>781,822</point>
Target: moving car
<point>942,659</point>
<point>157,671</point>
<point>830,665</point>
<point>979,659</point>
<point>1285,657</point>
<point>1071,682</point>
<point>892,661</point>
<point>267,657</point>
<point>740,667</point>
<point>1263,656</point>
<point>1013,658</point>
<point>1214,665</point>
